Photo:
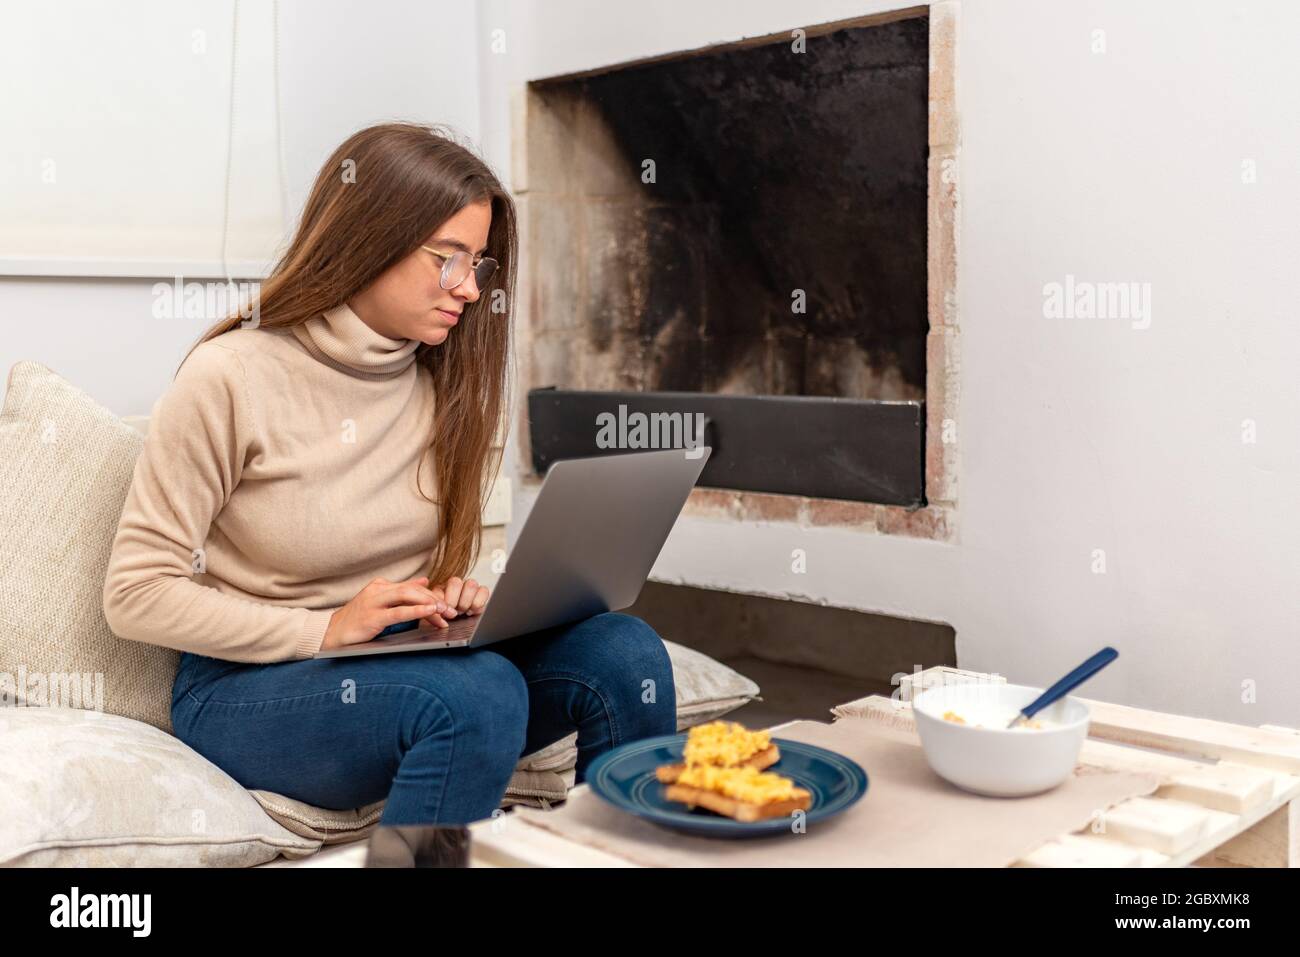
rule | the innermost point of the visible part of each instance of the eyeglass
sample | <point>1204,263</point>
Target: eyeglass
<point>456,268</point>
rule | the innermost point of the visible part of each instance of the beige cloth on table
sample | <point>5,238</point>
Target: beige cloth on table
<point>909,817</point>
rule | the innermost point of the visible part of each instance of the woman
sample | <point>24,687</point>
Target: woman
<point>317,475</point>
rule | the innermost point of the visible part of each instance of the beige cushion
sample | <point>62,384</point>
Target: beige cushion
<point>706,688</point>
<point>65,468</point>
<point>82,788</point>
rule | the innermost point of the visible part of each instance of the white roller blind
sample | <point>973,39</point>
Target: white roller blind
<point>116,126</point>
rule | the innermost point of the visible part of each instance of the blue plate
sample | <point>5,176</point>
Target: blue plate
<point>625,777</point>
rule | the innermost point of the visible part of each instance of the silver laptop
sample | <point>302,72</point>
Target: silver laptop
<point>587,546</point>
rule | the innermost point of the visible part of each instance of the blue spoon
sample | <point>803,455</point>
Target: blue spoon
<point>1067,684</point>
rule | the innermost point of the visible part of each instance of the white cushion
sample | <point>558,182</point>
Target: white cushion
<point>82,788</point>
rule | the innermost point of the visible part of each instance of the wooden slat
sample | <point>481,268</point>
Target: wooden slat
<point>1235,789</point>
<point>1119,757</point>
<point>1285,786</point>
<point>940,675</point>
<point>1079,850</point>
<point>1280,729</point>
<point>520,844</point>
<point>1223,828</point>
<point>1169,827</point>
<point>1272,842</point>
<point>1198,737</point>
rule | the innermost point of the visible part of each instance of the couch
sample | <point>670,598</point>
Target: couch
<point>93,775</point>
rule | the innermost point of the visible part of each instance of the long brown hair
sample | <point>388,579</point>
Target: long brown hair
<point>378,197</point>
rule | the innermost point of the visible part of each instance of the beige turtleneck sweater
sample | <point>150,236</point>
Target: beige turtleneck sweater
<point>277,479</point>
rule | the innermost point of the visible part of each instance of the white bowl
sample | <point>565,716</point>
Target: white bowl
<point>992,760</point>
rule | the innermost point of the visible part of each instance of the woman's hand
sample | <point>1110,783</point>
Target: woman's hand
<point>461,597</point>
<point>383,603</point>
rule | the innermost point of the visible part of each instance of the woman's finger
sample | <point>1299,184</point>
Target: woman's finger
<point>433,621</point>
<point>480,600</point>
<point>467,593</point>
<point>451,594</point>
<point>399,613</point>
<point>404,594</point>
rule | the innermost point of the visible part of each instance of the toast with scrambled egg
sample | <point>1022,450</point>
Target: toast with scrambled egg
<point>723,744</point>
<point>723,772</point>
<point>742,793</point>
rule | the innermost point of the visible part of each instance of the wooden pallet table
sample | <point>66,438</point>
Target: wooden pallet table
<point>1230,795</point>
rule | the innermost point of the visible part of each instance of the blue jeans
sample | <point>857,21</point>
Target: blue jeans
<point>438,733</point>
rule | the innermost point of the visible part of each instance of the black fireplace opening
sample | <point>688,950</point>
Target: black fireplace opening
<point>762,248</point>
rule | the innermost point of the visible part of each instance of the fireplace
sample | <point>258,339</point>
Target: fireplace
<point>758,238</point>
<point>805,657</point>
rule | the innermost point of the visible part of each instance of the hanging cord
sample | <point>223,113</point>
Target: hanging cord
<point>279,132</point>
<point>230,146</point>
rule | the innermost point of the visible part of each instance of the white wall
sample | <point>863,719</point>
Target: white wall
<point>344,66</point>
<point>1076,435</point>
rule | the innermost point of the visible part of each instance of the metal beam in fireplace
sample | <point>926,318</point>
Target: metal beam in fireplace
<point>862,450</point>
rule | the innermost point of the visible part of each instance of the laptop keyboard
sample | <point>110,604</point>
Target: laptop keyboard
<point>457,628</point>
